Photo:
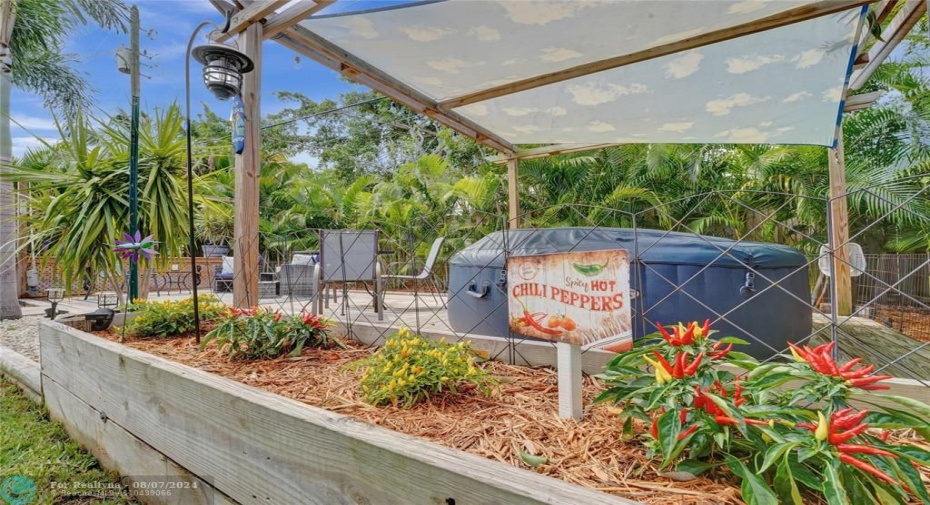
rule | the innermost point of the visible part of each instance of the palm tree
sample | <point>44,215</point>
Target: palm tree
<point>34,47</point>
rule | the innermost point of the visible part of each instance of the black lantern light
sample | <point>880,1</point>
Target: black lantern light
<point>223,67</point>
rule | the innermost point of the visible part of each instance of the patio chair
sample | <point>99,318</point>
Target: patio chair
<point>296,277</point>
<point>347,256</point>
<point>223,276</point>
<point>425,276</point>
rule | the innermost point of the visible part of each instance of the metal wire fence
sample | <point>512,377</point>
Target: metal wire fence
<point>743,259</point>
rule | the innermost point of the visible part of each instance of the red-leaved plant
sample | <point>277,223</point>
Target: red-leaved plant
<point>785,429</point>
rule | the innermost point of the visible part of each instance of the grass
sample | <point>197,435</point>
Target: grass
<point>34,449</point>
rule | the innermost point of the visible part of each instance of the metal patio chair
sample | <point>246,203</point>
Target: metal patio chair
<point>425,276</point>
<point>347,256</point>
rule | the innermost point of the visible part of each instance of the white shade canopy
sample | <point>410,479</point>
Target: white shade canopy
<point>521,69</point>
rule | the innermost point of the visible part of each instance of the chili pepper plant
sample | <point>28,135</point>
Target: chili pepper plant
<point>260,333</point>
<point>787,430</point>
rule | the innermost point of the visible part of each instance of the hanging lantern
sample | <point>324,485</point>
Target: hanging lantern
<point>223,67</point>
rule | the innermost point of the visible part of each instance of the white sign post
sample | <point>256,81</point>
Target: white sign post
<point>575,299</point>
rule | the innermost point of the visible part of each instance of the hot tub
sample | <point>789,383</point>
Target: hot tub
<point>674,277</point>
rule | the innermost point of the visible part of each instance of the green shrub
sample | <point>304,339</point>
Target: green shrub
<point>261,334</point>
<point>169,318</point>
<point>409,368</point>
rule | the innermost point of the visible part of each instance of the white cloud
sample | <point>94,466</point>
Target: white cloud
<point>599,127</point>
<point>519,111</point>
<point>558,54</point>
<point>808,58</point>
<point>746,7</point>
<point>362,27</point>
<point>485,33</point>
<point>784,129</point>
<point>765,124</point>
<point>743,136</point>
<point>832,94</point>
<point>794,97</point>
<point>674,37</point>
<point>21,144</point>
<point>685,65</point>
<point>750,63</point>
<point>557,111</point>
<point>450,65</point>
<point>541,13</point>
<point>530,128</point>
<point>422,33</point>
<point>676,127</point>
<point>476,109</point>
<point>32,122</point>
<point>512,61</point>
<point>596,93</point>
<point>723,106</point>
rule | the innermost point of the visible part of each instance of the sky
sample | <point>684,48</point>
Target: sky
<point>166,28</point>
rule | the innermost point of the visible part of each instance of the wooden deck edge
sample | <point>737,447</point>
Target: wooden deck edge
<point>23,372</point>
<point>258,447</point>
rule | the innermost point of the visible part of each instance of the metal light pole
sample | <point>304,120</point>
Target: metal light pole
<point>222,75</point>
<point>134,149</point>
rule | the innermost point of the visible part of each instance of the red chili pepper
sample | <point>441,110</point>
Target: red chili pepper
<point>829,361</point>
<point>692,429</point>
<point>836,438</point>
<point>862,465</point>
<point>654,429</point>
<point>720,351</point>
<point>867,381</point>
<point>538,327</point>
<point>849,365</point>
<point>864,449</point>
<point>862,372</point>
<point>843,420</point>
<point>699,399</point>
<point>705,331</point>
<point>668,338</point>
<point>738,394</point>
<point>682,415</point>
<point>725,420</point>
<point>690,369</point>
<point>883,436</point>
<point>678,371</point>
<point>664,362</point>
<point>875,387</point>
<point>756,422</point>
<point>688,337</point>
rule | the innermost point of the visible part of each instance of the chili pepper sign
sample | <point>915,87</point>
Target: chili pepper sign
<point>579,298</point>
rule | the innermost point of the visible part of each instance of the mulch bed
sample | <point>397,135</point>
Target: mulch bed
<point>911,321</point>
<point>522,415</point>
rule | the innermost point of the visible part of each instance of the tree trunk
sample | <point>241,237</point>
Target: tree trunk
<point>9,280</point>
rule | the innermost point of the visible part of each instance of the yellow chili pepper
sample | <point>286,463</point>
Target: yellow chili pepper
<point>823,427</point>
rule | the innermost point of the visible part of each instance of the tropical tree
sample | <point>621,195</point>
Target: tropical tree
<point>32,37</point>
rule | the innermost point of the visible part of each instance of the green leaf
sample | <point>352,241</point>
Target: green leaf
<point>803,474</point>
<point>532,460</point>
<point>774,380</point>
<point>832,486</point>
<point>775,452</point>
<point>732,340</point>
<point>806,453</point>
<point>693,466</point>
<point>784,483</point>
<point>669,428</point>
<point>754,490</point>
<point>856,488</point>
<point>911,452</point>
<point>921,408</point>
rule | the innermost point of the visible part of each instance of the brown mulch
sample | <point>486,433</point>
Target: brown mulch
<point>523,415</point>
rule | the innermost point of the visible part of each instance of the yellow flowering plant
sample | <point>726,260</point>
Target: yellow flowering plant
<point>409,368</point>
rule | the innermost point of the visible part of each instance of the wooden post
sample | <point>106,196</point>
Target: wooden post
<point>513,190</point>
<point>569,368</point>
<point>840,228</point>
<point>248,170</point>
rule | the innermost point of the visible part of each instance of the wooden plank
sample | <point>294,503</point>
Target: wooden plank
<point>784,18</point>
<point>862,101</point>
<point>542,152</point>
<point>248,170</point>
<point>118,450</point>
<point>297,12</point>
<point>570,380</point>
<point>366,74</point>
<point>840,227</point>
<point>23,371</point>
<point>247,17</point>
<point>896,30</point>
<point>262,448</point>
<point>513,193</point>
